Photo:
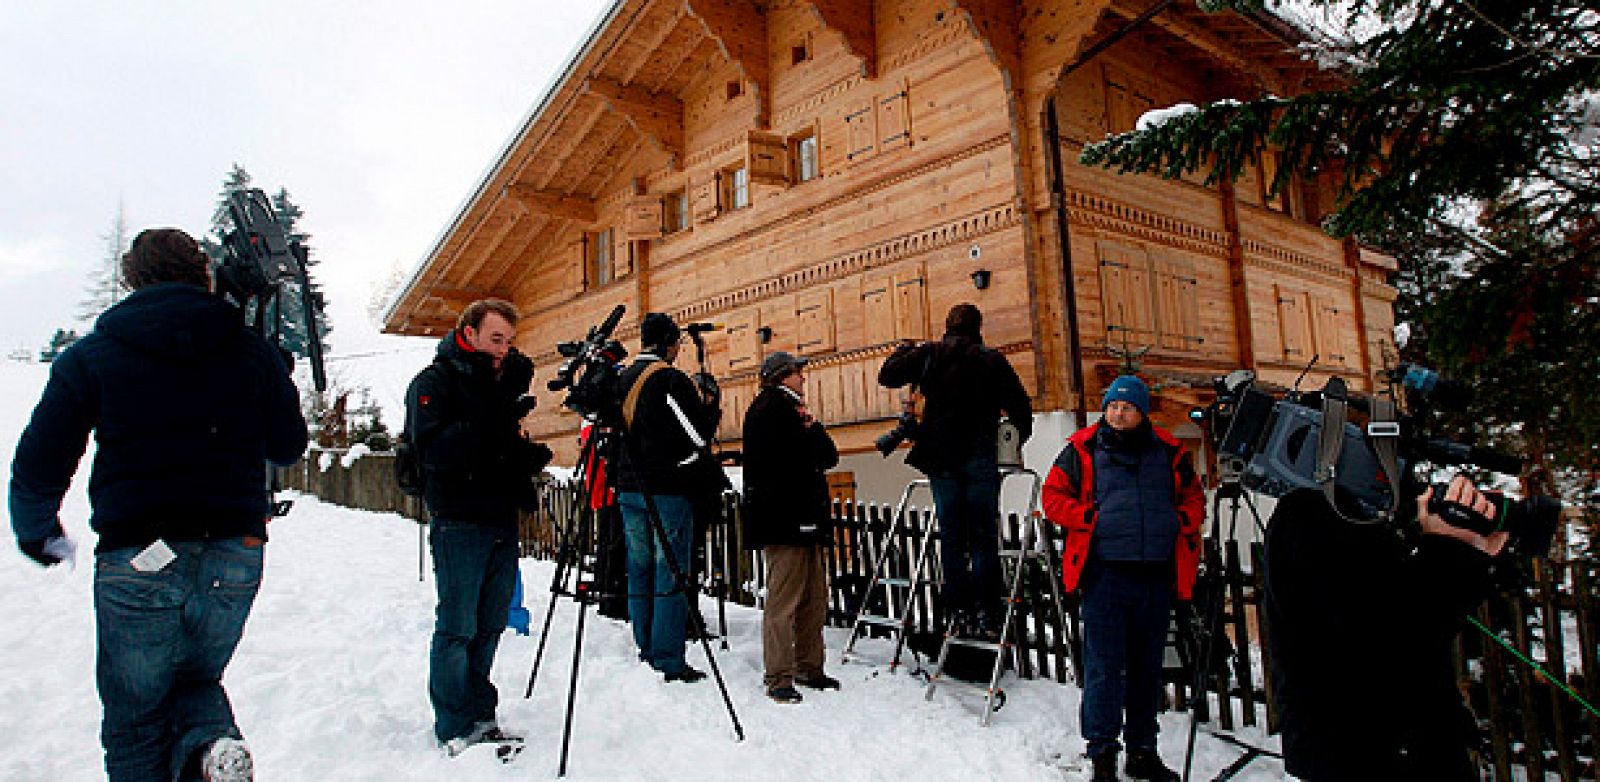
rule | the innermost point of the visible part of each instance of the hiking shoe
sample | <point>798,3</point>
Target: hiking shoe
<point>1146,764</point>
<point>227,760</point>
<point>497,735</point>
<point>785,694</point>
<point>688,675</point>
<point>819,681</point>
<point>1105,767</point>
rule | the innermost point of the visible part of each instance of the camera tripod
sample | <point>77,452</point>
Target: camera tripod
<point>1209,587</point>
<point>575,562</point>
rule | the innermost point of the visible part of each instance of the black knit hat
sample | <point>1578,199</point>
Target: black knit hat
<point>658,331</point>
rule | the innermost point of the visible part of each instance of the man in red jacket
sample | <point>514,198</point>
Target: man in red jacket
<point>1127,495</point>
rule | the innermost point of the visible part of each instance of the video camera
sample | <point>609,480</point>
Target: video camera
<point>258,260</point>
<point>1274,446</point>
<point>591,372</point>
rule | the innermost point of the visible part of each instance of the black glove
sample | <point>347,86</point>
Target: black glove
<point>35,551</point>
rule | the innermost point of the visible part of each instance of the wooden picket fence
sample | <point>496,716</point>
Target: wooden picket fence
<point>1532,730</point>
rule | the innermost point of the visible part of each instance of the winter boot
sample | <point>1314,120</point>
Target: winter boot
<point>818,681</point>
<point>688,675</point>
<point>1105,766</point>
<point>227,760</point>
<point>785,694</point>
<point>1146,764</point>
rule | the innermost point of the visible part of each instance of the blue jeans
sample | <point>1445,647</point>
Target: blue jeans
<point>164,640</point>
<point>475,569</point>
<point>967,500</point>
<point>657,608</point>
<point>1126,611</point>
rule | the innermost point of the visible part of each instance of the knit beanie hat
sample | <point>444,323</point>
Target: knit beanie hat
<point>1130,389</point>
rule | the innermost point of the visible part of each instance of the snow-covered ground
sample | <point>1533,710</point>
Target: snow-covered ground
<point>329,682</point>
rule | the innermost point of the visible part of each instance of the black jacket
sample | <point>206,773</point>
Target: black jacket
<point>462,420</point>
<point>187,407</point>
<point>1361,627</point>
<point>785,462</point>
<point>966,385</point>
<point>667,447</point>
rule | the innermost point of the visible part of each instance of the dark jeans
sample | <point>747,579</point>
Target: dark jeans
<point>475,568</point>
<point>1126,611</point>
<point>967,500</point>
<point>164,640</point>
<point>656,607</point>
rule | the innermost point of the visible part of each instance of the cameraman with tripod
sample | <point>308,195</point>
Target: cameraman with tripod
<point>188,406</point>
<point>966,386</point>
<point>667,427</point>
<point>1363,621</point>
<point>463,415</point>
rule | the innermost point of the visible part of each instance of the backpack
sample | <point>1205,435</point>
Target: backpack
<point>407,466</point>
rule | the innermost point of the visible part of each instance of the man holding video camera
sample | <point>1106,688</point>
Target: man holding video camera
<point>187,406</point>
<point>463,413</point>
<point>1362,625</point>
<point>668,464</point>
<point>966,386</point>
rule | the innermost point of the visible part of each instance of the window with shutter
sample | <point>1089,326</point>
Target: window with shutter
<point>644,218</point>
<point>744,344</point>
<point>803,152</point>
<point>1294,325</point>
<point>1178,305</point>
<point>1125,294</point>
<point>894,125</point>
<point>814,318</point>
<point>861,131</point>
<point>705,198</point>
<point>1332,342</point>
<point>877,309</point>
<point>910,305</point>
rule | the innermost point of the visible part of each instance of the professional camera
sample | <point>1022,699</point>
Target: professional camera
<point>591,370</point>
<point>1274,446</point>
<point>258,261</point>
<point>905,428</point>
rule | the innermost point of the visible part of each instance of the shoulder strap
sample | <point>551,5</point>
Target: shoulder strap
<point>1382,433</point>
<point>630,406</point>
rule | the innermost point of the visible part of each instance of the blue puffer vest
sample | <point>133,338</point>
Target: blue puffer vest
<point>1133,493</point>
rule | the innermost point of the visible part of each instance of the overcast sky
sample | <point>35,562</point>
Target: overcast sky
<point>379,118</point>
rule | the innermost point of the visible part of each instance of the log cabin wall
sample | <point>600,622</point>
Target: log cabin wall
<point>824,178</point>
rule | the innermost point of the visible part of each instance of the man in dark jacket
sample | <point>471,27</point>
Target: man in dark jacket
<point>787,455</point>
<point>665,455</point>
<point>966,387</point>
<point>1363,624</point>
<point>463,413</point>
<point>187,407</point>
<point>1132,507</point>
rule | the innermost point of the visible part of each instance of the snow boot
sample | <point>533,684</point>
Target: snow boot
<point>1146,764</point>
<point>820,681</point>
<point>785,694</point>
<point>1105,766</point>
<point>688,675</point>
<point>227,760</point>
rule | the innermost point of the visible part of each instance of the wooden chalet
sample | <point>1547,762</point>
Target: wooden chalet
<point>828,177</point>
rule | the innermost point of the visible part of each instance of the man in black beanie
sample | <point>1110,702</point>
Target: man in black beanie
<point>667,426</point>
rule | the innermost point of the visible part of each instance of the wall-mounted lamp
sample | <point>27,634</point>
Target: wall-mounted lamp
<point>764,334</point>
<point>980,278</point>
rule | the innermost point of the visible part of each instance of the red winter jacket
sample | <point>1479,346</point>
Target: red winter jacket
<point>1069,503</point>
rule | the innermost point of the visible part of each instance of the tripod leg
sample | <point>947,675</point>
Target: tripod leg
<point>538,656</point>
<point>572,687</point>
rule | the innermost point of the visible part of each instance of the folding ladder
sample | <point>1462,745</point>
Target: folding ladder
<point>1033,545</point>
<point>904,592</point>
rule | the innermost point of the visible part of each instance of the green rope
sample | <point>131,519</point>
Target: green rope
<point>1519,655</point>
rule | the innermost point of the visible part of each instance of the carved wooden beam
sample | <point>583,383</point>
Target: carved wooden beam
<point>1208,42</point>
<point>740,30</point>
<point>852,19</point>
<point>551,204</point>
<point>653,44</point>
<point>996,23</point>
<point>658,118</point>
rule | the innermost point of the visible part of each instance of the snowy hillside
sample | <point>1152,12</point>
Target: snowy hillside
<point>329,681</point>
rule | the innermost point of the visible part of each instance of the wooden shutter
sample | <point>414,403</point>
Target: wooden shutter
<point>1294,326</point>
<point>643,218</point>
<point>894,121</point>
<point>767,158</point>
<point>853,390</point>
<point>1177,303</point>
<point>705,199</point>
<point>1126,101</point>
<point>1331,335</point>
<point>1125,294</point>
<point>910,305</point>
<point>744,345</point>
<point>621,255</point>
<point>877,309</point>
<point>861,131</point>
<point>813,311</point>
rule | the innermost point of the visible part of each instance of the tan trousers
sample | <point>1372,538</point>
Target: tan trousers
<point>797,607</point>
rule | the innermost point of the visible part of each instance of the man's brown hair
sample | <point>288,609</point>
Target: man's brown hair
<point>473,314</point>
<point>164,255</point>
<point>964,319</point>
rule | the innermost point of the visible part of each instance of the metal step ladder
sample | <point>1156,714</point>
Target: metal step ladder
<point>902,592</point>
<point>1033,545</point>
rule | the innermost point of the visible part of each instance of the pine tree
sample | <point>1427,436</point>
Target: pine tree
<point>1488,108</point>
<point>104,287</point>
